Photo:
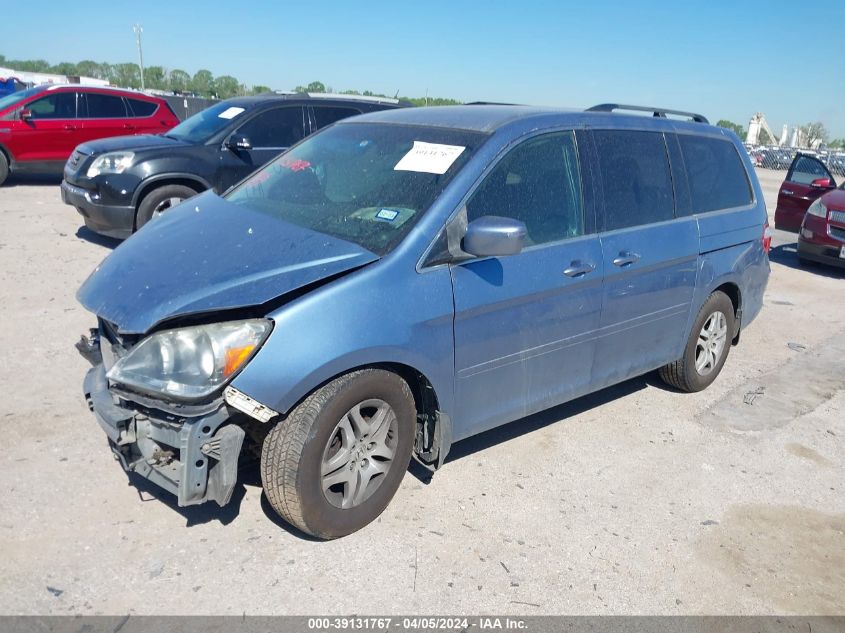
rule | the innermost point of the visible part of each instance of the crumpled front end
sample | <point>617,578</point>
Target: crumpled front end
<point>191,453</point>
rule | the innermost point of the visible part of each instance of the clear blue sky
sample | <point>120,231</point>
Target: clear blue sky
<point>726,59</point>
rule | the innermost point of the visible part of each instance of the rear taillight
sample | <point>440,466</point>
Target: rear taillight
<point>767,237</point>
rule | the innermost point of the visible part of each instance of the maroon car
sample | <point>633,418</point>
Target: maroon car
<point>40,127</point>
<point>806,181</point>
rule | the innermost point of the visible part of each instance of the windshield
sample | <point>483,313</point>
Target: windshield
<point>17,97</point>
<point>361,182</point>
<point>203,125</point>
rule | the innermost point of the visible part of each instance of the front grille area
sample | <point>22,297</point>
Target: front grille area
<point>838,233</point>
<point>75,158</point>
<point>837,216</point>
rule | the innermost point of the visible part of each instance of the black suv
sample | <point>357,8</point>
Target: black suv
<point>118,184</point>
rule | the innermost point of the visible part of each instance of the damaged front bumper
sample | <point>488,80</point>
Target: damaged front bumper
<point>193,456</point>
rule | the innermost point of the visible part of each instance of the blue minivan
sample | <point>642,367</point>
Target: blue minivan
<point>405,279</point>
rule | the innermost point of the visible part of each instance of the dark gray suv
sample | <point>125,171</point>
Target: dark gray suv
<point>118,184</point>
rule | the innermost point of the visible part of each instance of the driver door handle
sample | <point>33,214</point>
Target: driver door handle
<point>626,258</point>
<point>579,269</point>
<point>787,192</point>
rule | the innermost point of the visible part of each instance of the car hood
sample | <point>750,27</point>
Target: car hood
<point>834,199</point>
<point>207,255</point>
<point>130,143</point>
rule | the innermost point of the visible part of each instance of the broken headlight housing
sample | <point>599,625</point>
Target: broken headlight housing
<point>191,362</point>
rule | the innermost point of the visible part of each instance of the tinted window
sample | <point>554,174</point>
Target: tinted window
<point>280,127</point>
<point>715,174</point>
<point>806,170</point>
<point>59,105</point>
<point>539,184</point>
<point>635,176</point>
<point>142,108</point>
<point>102,106</point>
<point>324,116</point>
<point>203,125</point>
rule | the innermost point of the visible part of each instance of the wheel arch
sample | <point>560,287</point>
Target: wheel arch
<point>731,289</point>
<point>187,180</point>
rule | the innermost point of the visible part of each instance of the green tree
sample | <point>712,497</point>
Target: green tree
<point>64,68</point>
<point>126,75</point>
<point>203,83</point>
<point>89,68</point>
<point>155,77</point>
<point>736,128</point>
<point>314,86</point>
<point>837,143</point>
<point>257,90</point>
<point>178,80</point>
<point>227,87</point>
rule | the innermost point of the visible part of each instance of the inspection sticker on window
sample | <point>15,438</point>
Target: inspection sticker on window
<point>429,158</point>
<point>230,113</point>
<point>387,214</point>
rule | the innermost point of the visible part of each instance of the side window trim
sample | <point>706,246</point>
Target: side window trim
<point>678,172</point>
<point>798,156</point>
<point>459,214</point>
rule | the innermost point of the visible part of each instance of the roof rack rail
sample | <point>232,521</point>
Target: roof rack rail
<point>489,103</point>
<point>657,112</point>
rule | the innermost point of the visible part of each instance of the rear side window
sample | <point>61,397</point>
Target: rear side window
<point>59,105</point>
<point>538,183</point>
<point>102,106</point>
<point>277,128</point>
<point>805,170</point>
<point>635,176</point>
<point>324,116</point>
<point>141,108</point>
<point>715,173</point>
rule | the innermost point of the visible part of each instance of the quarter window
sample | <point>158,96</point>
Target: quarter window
<point>539,184</point>
<point>59,105</point>
<point>635,175</point>
<point>142,108</point>
<point>715,173</point>
<point>102,106</point>
<point>277,128</point>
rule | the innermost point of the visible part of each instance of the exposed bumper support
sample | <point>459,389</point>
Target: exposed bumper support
<point>195,458</point>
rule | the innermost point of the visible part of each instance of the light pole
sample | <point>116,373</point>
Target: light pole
<point>138,30</point>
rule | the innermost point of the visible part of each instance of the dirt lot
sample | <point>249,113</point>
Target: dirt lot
<point>634,500</point>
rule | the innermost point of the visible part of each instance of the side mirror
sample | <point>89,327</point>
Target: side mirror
<point>238,142</point>
<point>25,114</point>
<point>494,236</point>
<point>821,183</point>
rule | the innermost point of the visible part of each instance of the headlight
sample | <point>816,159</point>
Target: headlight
<point>111,163</point>
<point>818,209</point>
<point>191,362</point>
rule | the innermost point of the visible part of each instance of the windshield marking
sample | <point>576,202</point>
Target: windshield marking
<point>429,158</point>
<point>230,113</point>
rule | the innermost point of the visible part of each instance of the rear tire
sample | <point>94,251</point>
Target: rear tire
<point>4,168</point>
<point>324,476</point>
<point>159,200</point>
<point>707,347</point>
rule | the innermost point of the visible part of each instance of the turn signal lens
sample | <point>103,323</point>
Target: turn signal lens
<point>767,237</point>
<point>235,357</point>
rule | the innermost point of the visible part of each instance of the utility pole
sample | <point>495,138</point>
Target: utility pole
<point>138,29</point>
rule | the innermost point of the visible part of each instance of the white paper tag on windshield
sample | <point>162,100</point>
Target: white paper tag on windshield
<point>429,158</point>
<point>230,113</point>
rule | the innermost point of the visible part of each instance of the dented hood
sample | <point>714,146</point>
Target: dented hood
<point>206,255</point>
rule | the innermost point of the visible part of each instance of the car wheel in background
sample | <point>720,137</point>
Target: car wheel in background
<point>332,465</point>
<point>707,347</point>
<point>4,168</point>
<point>160,200</point>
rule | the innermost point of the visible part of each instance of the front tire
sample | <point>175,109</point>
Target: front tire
<point>707,347</point>
<point>332,466</point>
<point>4,168</point>
<point>160,200</point>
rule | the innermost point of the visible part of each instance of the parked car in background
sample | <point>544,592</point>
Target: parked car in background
<point>40,127</point>
<point>118,184</point>
<point>806,181</point>
<point>409,278</point>
<point>821,238</point>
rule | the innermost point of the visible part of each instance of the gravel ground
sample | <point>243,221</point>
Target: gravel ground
<point>635,500</point>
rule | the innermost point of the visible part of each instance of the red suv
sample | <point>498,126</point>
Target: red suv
<point>40,127</point>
